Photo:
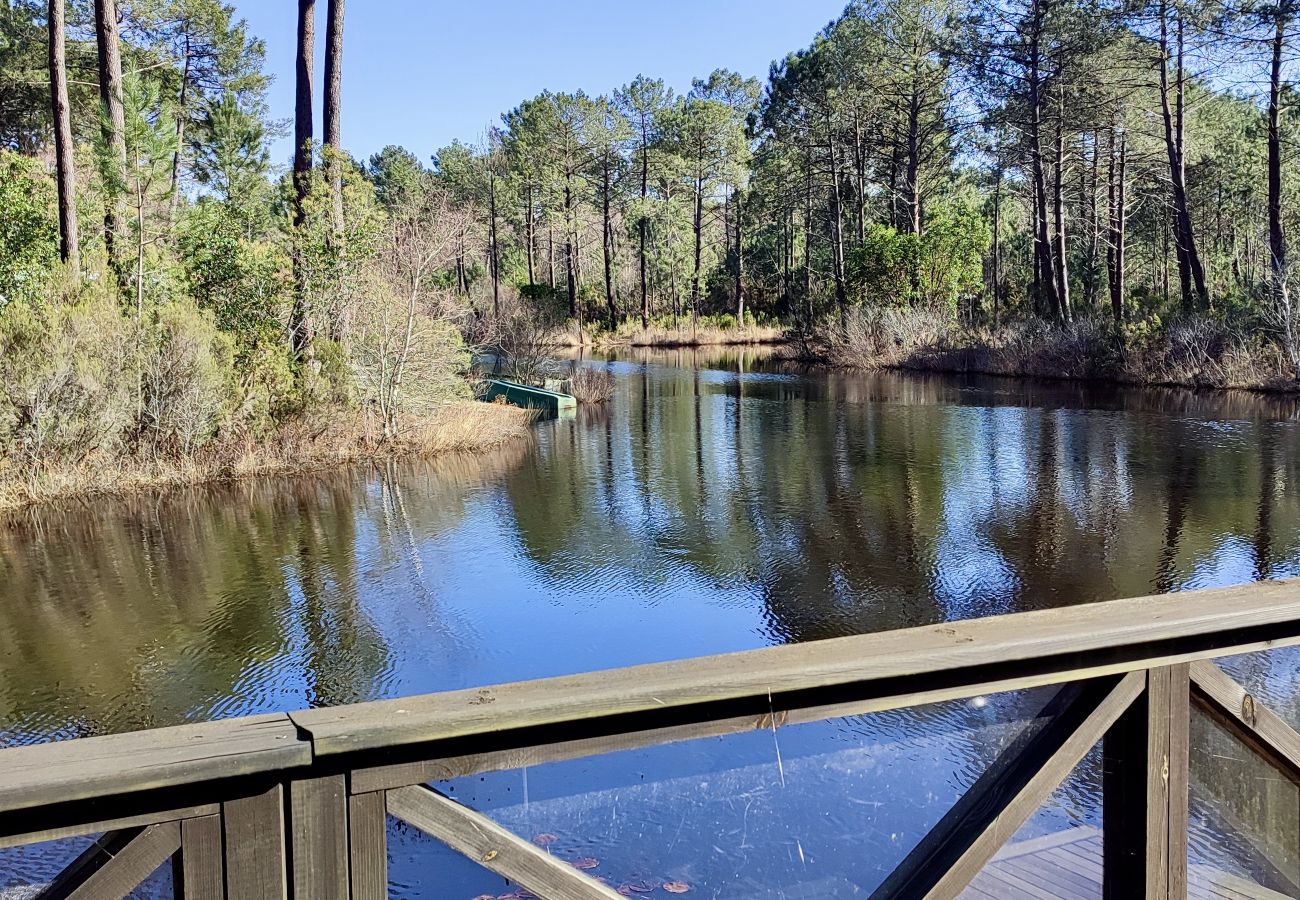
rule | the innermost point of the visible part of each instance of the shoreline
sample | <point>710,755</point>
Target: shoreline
<point>1275,386</point>
<point>1253,374</point>
<point>462,427</point>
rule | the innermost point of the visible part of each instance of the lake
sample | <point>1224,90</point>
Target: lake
<point>720,502</point>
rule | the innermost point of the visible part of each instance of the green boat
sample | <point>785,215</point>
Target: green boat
<point>551,402</point>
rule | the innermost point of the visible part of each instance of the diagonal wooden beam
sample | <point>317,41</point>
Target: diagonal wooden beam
<point>1018,782</point>
<point>493,847</point>
<point>1241,714</point>
<point>116,864</point>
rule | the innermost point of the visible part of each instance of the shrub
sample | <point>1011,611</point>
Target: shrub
<point>65,374</point>
<point>881,270</point>
<point>406,362</point>
<point>187,379</point>
<point>592,385</point>
<point>936,269</point>
<point>883,336</point>
<point>29,230</point>
<point>242,282</point>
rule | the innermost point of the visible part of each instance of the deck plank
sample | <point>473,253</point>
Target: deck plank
<point>1067,865</point>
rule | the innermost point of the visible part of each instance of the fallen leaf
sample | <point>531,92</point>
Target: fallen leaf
<point>544,839</point>
<point>636,887</point>
<point>490,855</point>
<point>677,887</point>
<point>486,897</point>
<point>585,862</point>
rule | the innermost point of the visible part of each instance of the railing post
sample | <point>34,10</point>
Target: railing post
<point>368,846</point>
<point>318,823</point>
<point>1144,788</point>
<point>255,846</point>
<point>199,872</point>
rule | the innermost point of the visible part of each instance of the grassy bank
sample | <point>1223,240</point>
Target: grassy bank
<point>300,446</point>
<point>1192,353</point>
<point>707,331</point>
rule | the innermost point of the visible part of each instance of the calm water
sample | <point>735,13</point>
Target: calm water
<point>718,504</point>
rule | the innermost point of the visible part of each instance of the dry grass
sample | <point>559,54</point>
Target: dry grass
<point>1196,353</point>
<point>592,385</point>
<point>703,335</point>
<point>300,446</point>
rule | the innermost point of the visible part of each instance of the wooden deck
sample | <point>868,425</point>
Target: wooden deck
<point>1068,866</point>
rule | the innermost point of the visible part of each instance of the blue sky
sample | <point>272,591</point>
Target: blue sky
<point>422,73</point>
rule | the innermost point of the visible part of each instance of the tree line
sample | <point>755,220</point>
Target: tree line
<point>1119,166</point>
<point>993,159</point>
<point>168,293</point>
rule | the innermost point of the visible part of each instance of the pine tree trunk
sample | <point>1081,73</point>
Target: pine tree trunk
<point>1045,280</point>
<point>642,224</point>
<point>109,46</point>
<point>1276,237</point>
<point>740,262</point>
<point>550,251</point>
<point>1191,274</point>
<point>1088,185</point>
<point>1121,226</point>
<point>607,242</point>
<point>911,180</point>
<point>299,327</point>
<point>837,227</point>
<point>182,116</point>
<point>570,251</point>
<point>333,108</point>
<point>1061,262</point>
<point>494,255</point>
<point>697,227</point>
<point>530,234</point>
<point>807,238</point>
<point>997,246</point>
<point>860,180</point>
<point>70,244</point>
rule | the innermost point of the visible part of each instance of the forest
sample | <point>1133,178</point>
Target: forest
<point>1066,188</point>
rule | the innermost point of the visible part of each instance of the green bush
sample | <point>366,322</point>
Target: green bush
<point>242,282</point>
<point>29,230</point>
<point>935,270</point>
<point>65,378</point>
<point>187,379</point>
<point>951,259</point>
<point>882,269</point>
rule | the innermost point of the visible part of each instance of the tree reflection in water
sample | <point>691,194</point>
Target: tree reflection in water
<point>722,501</point>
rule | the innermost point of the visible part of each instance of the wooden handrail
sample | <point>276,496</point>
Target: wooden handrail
<point>1002,652</point>
<point>138,761</point>
<point>296,802</point>
<point>732,692</point>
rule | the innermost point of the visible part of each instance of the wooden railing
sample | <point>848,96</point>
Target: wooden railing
<point>296,804</point>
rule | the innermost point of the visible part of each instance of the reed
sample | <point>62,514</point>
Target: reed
<point>296,446</point>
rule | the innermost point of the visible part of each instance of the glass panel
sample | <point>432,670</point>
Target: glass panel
<point>424,868</point>
<point>1058,851</point>
<point>25,871</point>
<point>1244,815</point>
<point>826,809</point>
<point>1272,676</point>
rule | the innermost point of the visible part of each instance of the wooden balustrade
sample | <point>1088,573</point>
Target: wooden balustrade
<point>295,804</point>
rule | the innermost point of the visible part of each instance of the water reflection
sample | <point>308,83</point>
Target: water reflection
<point>724,500</point>
<point>704,510</point>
